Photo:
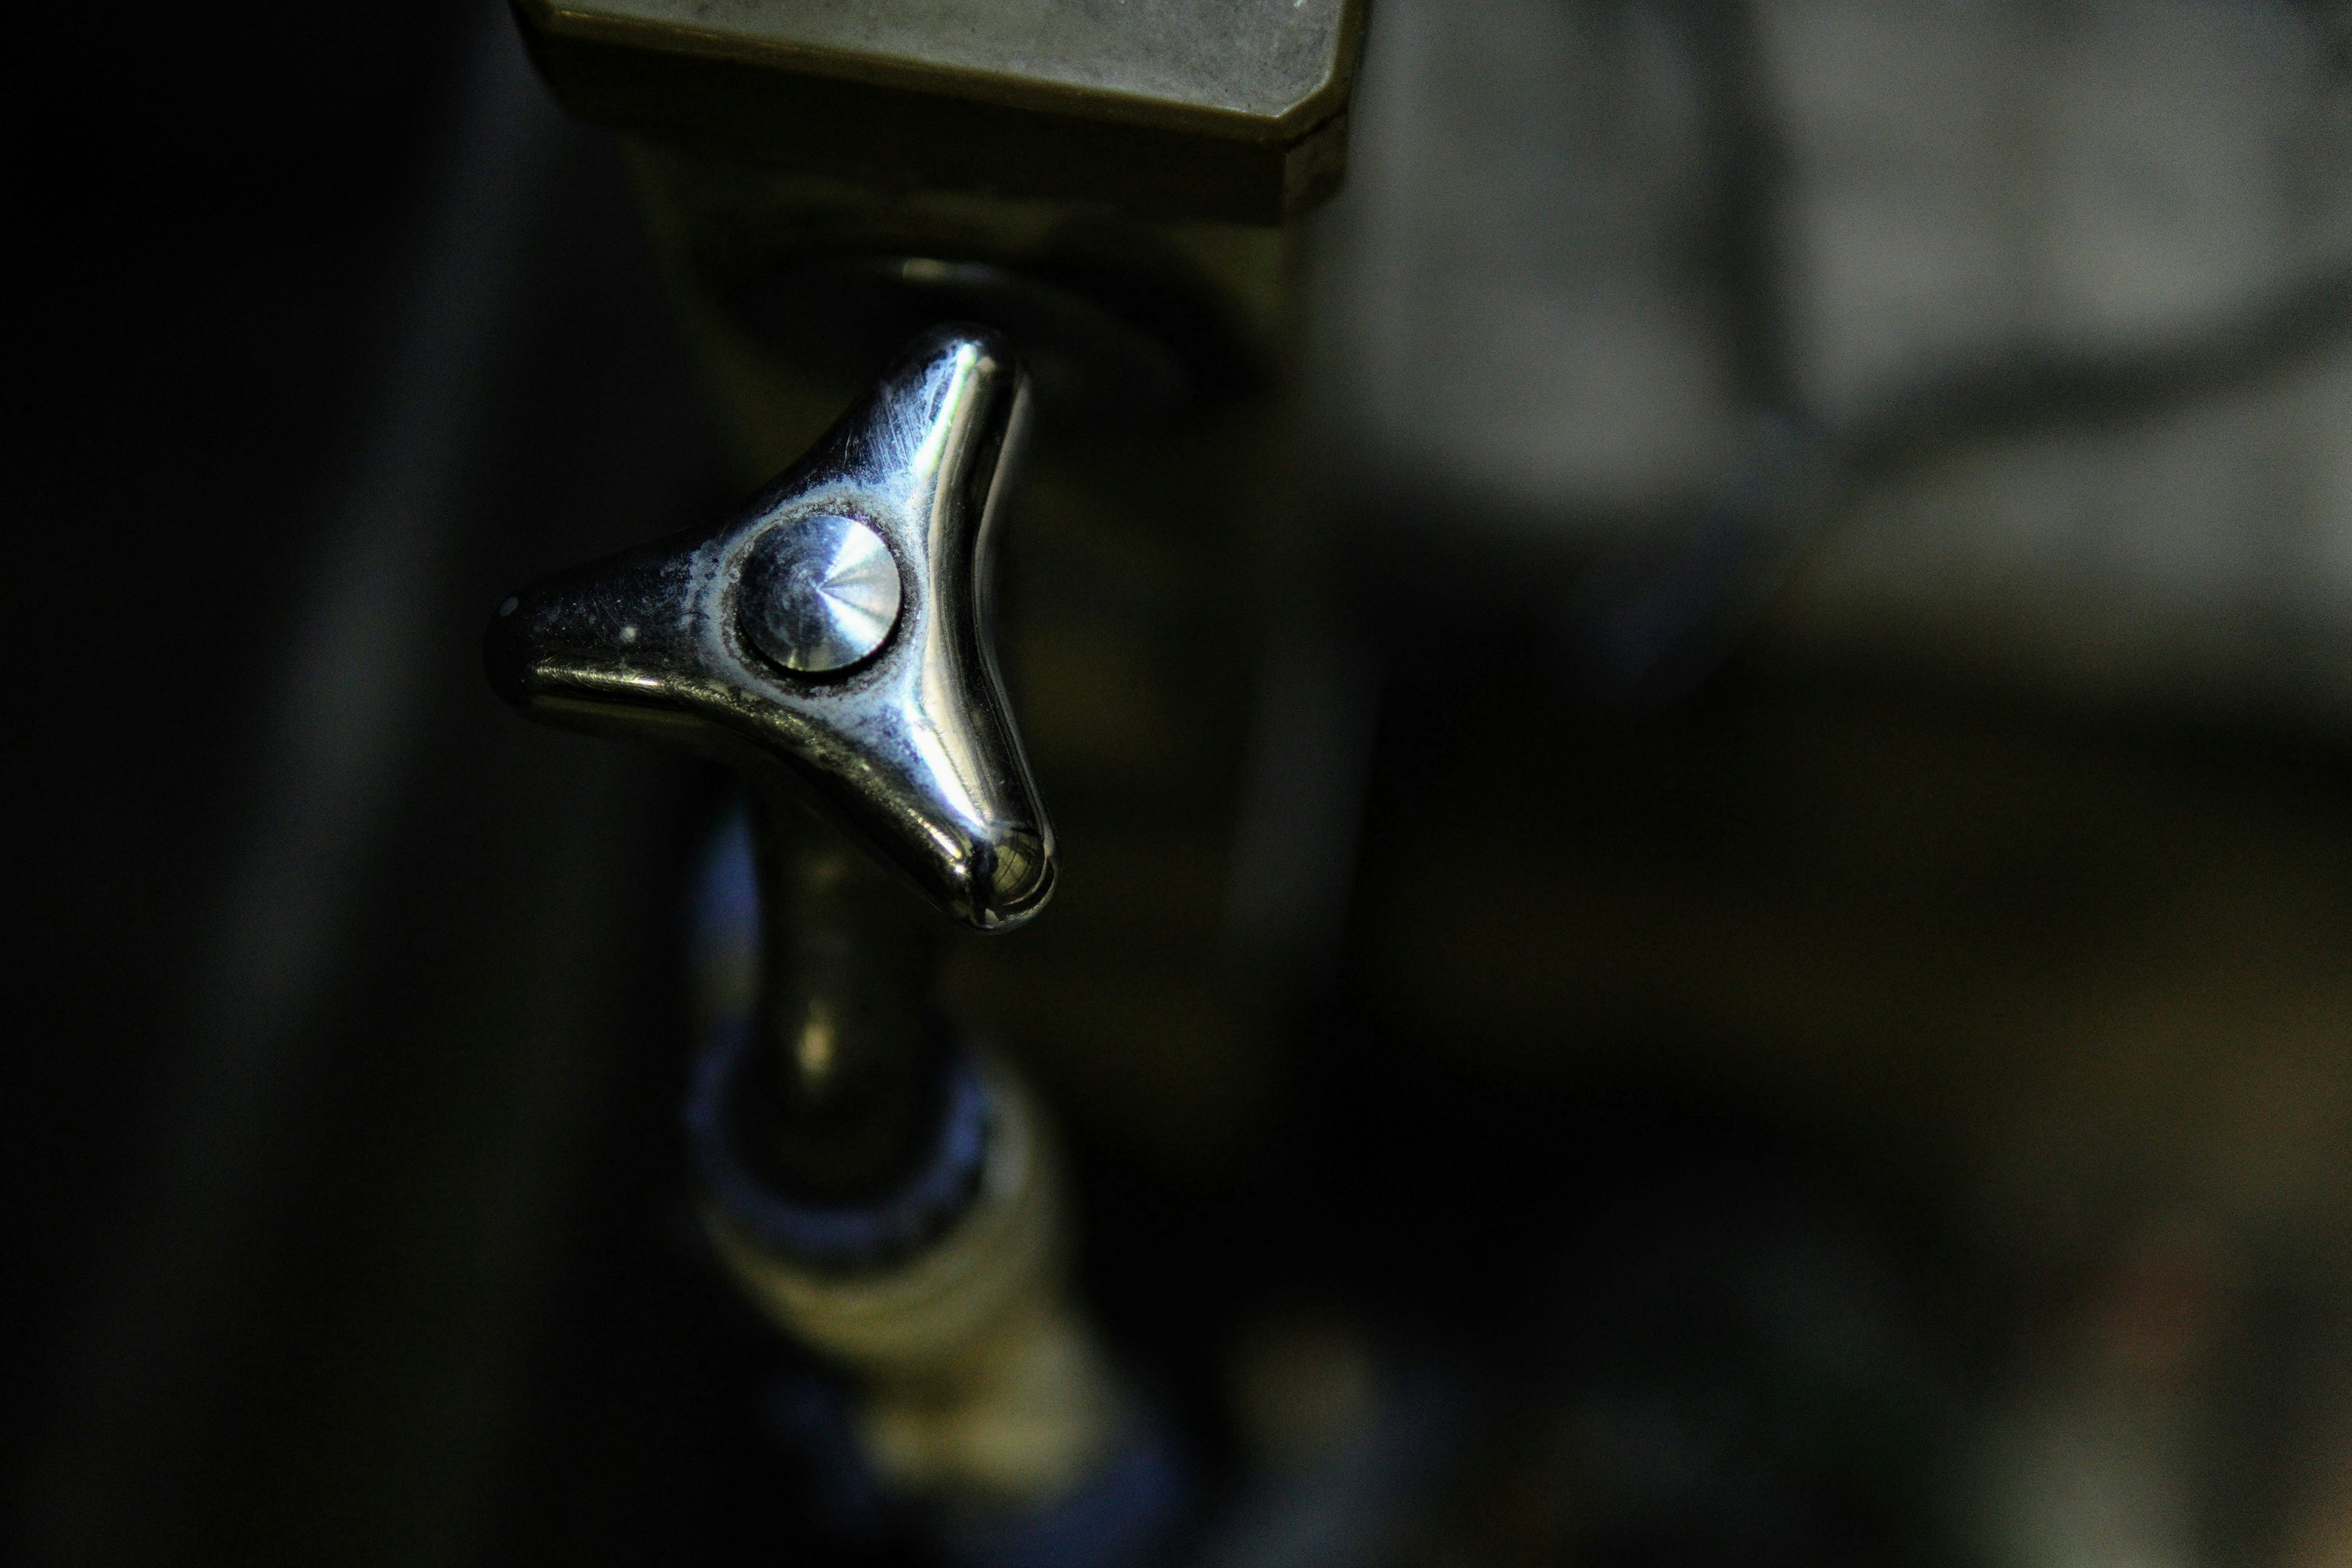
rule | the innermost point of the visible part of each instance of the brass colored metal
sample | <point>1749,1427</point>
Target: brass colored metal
<point>1225,109</point>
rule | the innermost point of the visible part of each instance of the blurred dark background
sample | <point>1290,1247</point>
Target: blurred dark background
<point>1829,1036</point>
<point>329,322</point>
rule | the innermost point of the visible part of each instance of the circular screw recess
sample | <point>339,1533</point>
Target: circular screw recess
<point>820,594</point>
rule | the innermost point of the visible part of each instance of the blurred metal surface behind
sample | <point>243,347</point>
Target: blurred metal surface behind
<point>2068,289</point>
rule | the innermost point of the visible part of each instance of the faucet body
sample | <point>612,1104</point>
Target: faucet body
<point>885,1192</point>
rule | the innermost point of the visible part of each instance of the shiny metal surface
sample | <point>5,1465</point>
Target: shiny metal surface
<point>914,751</point>
<point>819,595</point>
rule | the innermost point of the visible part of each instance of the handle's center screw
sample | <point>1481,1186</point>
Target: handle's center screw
<point>820,594</point>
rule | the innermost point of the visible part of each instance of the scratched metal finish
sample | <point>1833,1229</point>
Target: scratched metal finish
<point>913,749</point>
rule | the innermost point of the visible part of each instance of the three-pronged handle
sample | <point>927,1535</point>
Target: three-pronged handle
<point>836,630</point>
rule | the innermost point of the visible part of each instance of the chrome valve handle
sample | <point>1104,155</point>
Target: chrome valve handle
<point>836,631</point>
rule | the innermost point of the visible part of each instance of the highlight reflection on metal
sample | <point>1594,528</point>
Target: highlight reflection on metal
<point>913,749</point>
<point>819,595</point>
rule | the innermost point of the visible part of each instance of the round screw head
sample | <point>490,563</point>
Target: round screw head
<point>820,594</point>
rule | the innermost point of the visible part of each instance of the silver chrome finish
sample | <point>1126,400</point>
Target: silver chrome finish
<point>913,749</point>
<point>820,594</point>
